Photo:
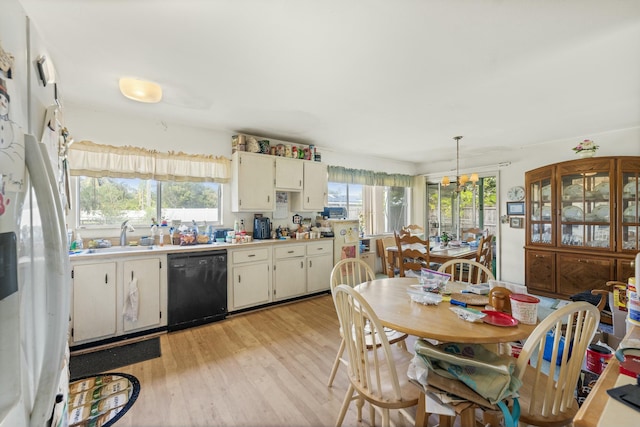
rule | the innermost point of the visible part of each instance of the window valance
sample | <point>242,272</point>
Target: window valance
<point>97,160</point>
<point>366,177</point>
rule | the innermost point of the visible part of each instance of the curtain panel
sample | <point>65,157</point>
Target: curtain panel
<point>96,160</point>
<point>366,177</point>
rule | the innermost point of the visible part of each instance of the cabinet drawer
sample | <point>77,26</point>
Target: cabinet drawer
<point>319,248</point>
<point>250,255</point>
<point>289,251</point>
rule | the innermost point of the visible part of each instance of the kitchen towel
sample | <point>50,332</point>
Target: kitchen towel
<point>131,302</point>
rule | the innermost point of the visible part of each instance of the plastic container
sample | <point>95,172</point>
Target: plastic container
<point>597,358</point>
<point>633,302</point>
<point>524,308</point>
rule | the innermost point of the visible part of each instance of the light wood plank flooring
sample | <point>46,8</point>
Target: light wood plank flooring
<point>264,368</point>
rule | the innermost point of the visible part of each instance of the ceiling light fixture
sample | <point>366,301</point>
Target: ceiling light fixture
<point>460,181</point>
<point>140,90</point>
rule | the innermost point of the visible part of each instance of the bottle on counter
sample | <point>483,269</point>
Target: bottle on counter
<point>242,230</point>
<point>236,226</point>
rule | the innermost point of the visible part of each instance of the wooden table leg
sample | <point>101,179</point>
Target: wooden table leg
<point>421,412</point>
<point>391,263</point>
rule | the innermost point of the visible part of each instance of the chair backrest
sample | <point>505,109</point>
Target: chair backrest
<point>413,253</point>
<point>484,254</point>
<point>352,272</point>
<point>372,369</point>
<point>466,271</point>
<point>573,327</point>
<point>382,244</point>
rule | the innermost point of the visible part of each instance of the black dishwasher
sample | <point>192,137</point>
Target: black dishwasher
<point>197,288</point>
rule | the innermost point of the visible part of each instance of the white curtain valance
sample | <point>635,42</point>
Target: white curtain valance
<point>87,158</point>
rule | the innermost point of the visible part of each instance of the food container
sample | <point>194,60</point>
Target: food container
<point>524,308</point>
<point>633,302</point>
<point>597,358</point>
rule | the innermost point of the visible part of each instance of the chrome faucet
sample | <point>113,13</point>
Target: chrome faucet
<point>123,232</point>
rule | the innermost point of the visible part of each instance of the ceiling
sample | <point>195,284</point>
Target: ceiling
<point>393,79</point>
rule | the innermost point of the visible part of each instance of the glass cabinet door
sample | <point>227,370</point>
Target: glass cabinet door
<point>585,207</point>
<point>630,223</point>
<point>540,208</point>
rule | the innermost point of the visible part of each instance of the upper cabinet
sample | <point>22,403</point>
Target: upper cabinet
<point>252,182</point>
<point>582,223</point>
<point>260,167</point>
<point>314,193</point>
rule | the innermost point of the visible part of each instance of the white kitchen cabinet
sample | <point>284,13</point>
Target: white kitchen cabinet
<point>147,274</point>
<point>314,193</point>
<point>289,271</point>
<point>319,265</point>
<point>100,288</point>
<point>252,182</point>
<point>250,278</point>
<point>94,310</point>
<point>289,174</point>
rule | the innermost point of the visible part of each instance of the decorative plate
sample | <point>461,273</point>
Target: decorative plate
<point>573,191</point>
<point>498,318</point>
<point>602,212</point>
<point>629,214</point>
<point>602,189</point>
<point>630,188</point>
<point>546,214</point>
<point>572,213</point>
<point>546,192</point>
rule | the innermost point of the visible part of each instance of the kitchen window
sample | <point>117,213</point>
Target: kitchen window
<point>108,202</point>
<point>380,209</point>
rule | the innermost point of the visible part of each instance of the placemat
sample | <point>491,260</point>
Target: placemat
<point>470,299</point>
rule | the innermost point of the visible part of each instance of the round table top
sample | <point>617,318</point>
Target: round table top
<point>389,299</point>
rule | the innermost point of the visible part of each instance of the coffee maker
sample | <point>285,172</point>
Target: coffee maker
<point>261,228</point>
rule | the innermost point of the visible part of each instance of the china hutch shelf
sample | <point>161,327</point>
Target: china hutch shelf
<point>582,224</point>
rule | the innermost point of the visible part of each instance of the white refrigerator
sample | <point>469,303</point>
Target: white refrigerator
<point>346,243</point>
<point>35,281</point>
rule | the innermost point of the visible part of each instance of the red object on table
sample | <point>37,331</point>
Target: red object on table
<point>630,366</point>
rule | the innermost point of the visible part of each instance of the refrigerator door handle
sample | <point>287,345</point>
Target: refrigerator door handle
<point>59,289</point>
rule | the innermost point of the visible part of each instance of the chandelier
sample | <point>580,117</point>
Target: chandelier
<point>460,181</point>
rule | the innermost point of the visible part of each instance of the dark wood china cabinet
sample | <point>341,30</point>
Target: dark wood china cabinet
<point>582,224</point>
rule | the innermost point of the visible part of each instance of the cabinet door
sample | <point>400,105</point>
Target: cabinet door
<point>289,278</point>
<point>586,208</point>
<point>289,174</point>
<point>145,275</point>
<point>540,271</point>
<point>314,193</point>
<point>94,301</point>
<point>577,273</point>
<point>626,269</point>
<point>250,285</point>
<point>319,272</point>
<point>252,182</point>
<point>629,202</point>
<point>540,207</point>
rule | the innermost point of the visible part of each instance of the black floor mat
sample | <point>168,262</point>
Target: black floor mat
<point>115,357</point>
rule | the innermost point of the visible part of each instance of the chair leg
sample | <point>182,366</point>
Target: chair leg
<point>402,344</point>
<point>386,419</point>
<point>421,411</point>
<point>468,417</point>
<point>345,405</point>
<point>336,364</point>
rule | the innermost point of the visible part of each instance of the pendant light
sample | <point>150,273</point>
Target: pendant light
<point>460,181</point>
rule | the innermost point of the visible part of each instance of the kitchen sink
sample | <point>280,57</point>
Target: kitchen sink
<point>118,249</point>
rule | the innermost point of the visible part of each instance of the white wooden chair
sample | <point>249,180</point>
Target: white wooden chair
<point>547,394</point>
<point>377,370</point>
<point>466,271</point>
<point>352,272</point>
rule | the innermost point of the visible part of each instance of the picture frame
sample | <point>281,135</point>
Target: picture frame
<point>515,208</point>
<point>516,222</point>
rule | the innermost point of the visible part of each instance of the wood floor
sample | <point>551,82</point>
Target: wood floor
<point>264,368</point>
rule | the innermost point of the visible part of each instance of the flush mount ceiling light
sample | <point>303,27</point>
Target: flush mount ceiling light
<point>460,181</point>
<point>140,90</point>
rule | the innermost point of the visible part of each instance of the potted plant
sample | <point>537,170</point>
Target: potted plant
<point>444,239</point>
<point>586,148</point>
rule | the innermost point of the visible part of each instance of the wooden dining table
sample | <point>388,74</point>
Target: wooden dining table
<point>437,254</point>
<point>389,299</point>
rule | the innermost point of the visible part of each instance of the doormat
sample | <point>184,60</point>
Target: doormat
<point>101,400</point>
<point>111,358</point>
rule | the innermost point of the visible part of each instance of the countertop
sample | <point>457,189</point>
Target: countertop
<point>119,251</point>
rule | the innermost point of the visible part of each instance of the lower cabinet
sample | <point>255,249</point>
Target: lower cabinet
<point>100,292</point>
<point>289,271</point>
<point>278,272</point>
<point>250,278</point>
<point>319,266</point>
